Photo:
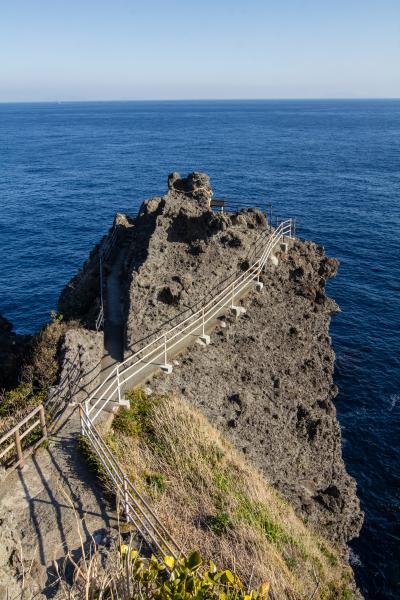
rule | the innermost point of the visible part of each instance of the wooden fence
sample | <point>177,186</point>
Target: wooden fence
<point>14,450</point>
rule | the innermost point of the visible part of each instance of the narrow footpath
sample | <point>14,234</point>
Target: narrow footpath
<point>54,505</point>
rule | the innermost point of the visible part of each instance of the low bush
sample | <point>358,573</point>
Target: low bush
<point>184,579</point>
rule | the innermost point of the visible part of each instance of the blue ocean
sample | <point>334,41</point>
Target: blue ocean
<point>66,168</point>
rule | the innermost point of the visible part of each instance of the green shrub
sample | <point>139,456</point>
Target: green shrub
<point>21,397</point>
<point>184,579</point>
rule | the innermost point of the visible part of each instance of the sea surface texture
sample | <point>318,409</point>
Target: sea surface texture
<point>65,169</point>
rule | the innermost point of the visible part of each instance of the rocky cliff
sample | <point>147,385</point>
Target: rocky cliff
<point>266,379</point>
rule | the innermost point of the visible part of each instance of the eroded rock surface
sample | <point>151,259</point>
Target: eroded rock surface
<point>267,378</point>
<point>181,253</point>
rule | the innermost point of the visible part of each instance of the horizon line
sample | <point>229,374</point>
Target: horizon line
<point>241,99</point>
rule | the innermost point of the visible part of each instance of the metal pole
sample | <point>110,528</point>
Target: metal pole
<point>118,385</point>
<point>165,349</point>
<point>203,331</point>
<point>81,418</point>
<point>126,503</point>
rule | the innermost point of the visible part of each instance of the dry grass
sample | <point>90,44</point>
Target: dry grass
<point>213,501</point>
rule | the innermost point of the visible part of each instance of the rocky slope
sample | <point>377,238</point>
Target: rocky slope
<point>267,379</point>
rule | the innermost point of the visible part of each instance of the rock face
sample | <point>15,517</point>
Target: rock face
<point>180,251</point>
<point>267,378</point>
<point>80,299</point>
<point>13,350</point>
<point>194,184</point>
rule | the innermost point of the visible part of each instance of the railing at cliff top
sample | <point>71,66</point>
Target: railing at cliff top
<point>136,509</point>
<point>112,387</point>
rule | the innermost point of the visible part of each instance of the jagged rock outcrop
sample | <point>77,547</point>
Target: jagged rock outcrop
<point>267,379</point>
<point>80,299</point>
<point>181,252</point>
<point>13,351</point>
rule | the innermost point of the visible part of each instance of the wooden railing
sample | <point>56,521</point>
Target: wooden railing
<point>13,454</point>
<point>36,419</point>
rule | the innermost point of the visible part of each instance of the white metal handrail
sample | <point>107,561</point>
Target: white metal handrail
<point>137,510</point>
<point>111,387</point>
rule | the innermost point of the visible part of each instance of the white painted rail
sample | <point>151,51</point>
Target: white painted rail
<point>159,350</point>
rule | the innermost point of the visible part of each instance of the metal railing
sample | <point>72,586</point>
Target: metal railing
<point>135,507</point>
<point>111,389</point>
<point>36,419</point>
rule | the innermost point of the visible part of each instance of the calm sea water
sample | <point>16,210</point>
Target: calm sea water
<point>65,169</point>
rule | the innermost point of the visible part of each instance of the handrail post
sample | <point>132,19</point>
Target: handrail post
<point>165,350</point>
<point>126,502</point>
<point>203,323</point>
<point>81,419</point>
<point>42,418</point>
<point>18,447</point>
<point>118,386</point>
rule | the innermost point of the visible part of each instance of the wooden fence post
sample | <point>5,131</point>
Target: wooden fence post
<point>42,418</point>
<point>18,447</point>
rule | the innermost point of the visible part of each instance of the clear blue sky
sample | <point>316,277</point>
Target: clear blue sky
<point>167,49</point>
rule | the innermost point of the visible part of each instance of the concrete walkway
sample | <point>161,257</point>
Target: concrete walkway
<point>54,505</point>
<point>51,507</point>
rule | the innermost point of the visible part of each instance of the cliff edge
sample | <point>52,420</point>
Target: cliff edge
<point>267,379</point>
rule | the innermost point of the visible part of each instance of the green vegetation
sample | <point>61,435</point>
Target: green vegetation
<point>156,483</point>
<point>136,420</point>
<point>14,401</point>
<point>219,523</point>
<point>91,458</point>
<point>187,578</point>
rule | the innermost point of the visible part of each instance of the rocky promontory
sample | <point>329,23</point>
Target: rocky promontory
<point>266,379</point>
